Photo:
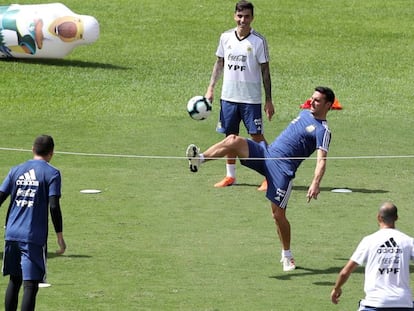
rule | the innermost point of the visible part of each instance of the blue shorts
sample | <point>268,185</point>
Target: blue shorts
<point>279,183</point>
<point>27,260</point>
<point>231,114</point>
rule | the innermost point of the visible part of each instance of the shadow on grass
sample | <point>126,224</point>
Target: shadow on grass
<point>360,190</point>
<point>323,189</point>
<point>51,255</point>
<point>303,271</point>
<point>65,63</point>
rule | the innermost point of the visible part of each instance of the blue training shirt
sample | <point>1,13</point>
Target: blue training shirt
<point>30,185</point>
<point>300,139</point>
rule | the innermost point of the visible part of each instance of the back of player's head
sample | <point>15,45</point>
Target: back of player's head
<point>244,5</point>
<point>43,145</point>
<point>388,212</point>
<point>329,94</point>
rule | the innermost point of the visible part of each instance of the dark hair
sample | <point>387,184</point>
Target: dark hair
<point>244,5</point>
<point>388,212</point>
<point>329,94</point>
<point>43,145</point>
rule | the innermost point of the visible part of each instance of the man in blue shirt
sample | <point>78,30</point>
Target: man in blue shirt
<point>34,187</point>
<point>279,161</point>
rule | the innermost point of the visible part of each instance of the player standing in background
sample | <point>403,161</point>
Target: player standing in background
<point>243,59</point>
<point>34,186</point>
<point>387,254</point>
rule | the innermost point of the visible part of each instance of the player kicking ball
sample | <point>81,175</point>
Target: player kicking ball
<point>279,161</point>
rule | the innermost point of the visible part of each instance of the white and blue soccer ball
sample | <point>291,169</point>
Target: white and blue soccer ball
<point>199,107</point>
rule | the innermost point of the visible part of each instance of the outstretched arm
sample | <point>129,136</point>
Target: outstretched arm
<point>314,188</point>
<point>215,76</point>
<point>342,278</point>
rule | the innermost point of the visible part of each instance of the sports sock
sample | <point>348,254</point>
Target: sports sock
<point>231,170</point>
<point>287,253</point>
<point>202,159</point>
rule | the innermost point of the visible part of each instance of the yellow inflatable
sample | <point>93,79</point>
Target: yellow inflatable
<point>43,30</point>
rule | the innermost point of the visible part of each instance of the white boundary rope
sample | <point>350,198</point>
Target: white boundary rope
<point>108,155</point>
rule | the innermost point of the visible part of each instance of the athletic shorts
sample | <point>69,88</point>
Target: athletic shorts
<point>27,260</point>
<point>231,114</point>
<point>279,184</point>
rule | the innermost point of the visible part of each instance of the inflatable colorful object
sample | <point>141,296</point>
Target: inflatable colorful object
<point>43,30</point>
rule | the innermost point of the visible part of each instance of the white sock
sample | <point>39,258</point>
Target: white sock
<point>231,170</point>
<point>287,253</point>
<point>202,159</point>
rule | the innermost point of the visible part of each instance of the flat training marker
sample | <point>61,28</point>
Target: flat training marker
<point>90,191</point>
<point>341,190</point>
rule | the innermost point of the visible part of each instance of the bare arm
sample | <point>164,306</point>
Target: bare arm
<point>215,76</point>
<point>314,188</point>
<point>267,85</point>
<point>342,278</point>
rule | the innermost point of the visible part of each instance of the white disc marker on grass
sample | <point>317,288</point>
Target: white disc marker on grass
<point>341,190</point>
<point>90,191</point>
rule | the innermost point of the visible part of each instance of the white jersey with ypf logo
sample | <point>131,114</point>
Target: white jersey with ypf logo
<point>386,254</point>
<point>242,77</point>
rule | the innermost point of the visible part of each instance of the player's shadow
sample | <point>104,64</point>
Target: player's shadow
<point>360,190</point>
<point>323,189</point>
<point>65,63</point>
<point>246,185</point>
<point>51,255</point>
<point>303,271</point>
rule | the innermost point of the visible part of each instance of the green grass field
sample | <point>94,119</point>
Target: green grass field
<point>161,238</point>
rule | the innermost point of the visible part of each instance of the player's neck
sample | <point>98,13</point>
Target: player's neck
<point>385,226</point>
<point>243,33</point>
<point>319,116</point>
<point>46,158</point>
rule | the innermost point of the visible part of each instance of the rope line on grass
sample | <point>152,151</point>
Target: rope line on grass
<point>109,155</point>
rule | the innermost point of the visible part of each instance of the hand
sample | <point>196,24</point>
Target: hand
<point>313,192</point>
<point>269,110</point>
<point>62,245</point>
<point>210,95</point>
<point>335,294</point>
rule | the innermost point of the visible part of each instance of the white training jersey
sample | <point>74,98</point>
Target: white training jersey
<point>242,77</point>
<point>386,255</point>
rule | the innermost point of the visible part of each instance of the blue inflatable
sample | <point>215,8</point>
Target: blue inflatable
<point>43,30</point>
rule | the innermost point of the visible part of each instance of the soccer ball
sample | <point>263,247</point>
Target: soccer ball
<point>199,107</point>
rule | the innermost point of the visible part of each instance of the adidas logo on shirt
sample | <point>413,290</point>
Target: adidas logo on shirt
<point>389,247</point>
<point>27,188</point>
<point>389,243</point>
<point>28,179</point>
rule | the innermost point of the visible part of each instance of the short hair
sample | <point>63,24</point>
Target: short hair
<point>43,145</point>
<point>244,5</point>
<point>329,94</point>
<point>388,212</point>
